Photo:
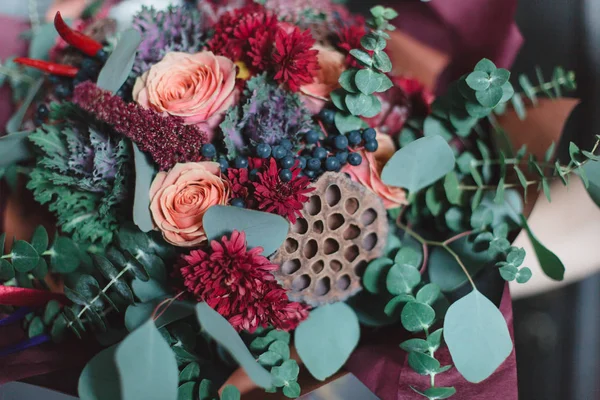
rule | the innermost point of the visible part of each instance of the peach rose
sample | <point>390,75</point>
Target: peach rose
<point>331,65</point>
<point>368,173</point>
<point>196,87</point>
<point>179,198</point>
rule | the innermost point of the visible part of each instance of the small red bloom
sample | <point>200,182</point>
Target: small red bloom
<point>239,285</point>
<point>294,61</point>
<point>239,183</point>
<point>348,38</point>
<point>284,198</point>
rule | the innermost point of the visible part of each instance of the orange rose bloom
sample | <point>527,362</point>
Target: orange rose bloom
<point>331,66</point>
<point>196,87</point>
<point>179,198</point>
<point>368,173</point>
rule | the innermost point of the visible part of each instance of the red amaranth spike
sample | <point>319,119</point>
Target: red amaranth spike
<point>84,43</point>
<point>167,139</point>
<point>51,68</point>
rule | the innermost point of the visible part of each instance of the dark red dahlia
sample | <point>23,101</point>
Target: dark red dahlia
<point>294,61</point>
<point>238,283</point>
<point>276,196</point>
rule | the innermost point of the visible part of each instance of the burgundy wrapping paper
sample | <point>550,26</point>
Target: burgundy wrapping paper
<point>383,367</point>
<point>466,30</point>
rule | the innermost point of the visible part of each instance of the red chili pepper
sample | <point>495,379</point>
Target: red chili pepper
<point>84,43</point>
<point>52,68</point>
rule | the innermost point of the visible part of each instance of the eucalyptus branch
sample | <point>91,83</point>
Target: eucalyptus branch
<point>444,245</point>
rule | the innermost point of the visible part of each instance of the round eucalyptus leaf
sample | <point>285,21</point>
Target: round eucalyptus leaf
<point>87,286</point>
<point>100,379</point>
<point>394,307</point>
<point>269,359</point>
<point>136,266</point>
<point>150,290</point>
<point>285,373</point>
<point>109,271</point>
<point>436,393</point>
<point>375,274</point>
<point>132,239</point>
<point>423,364</point>
<point>509,272</point>
<point>489,97</point>
<point>36,327</point>
<point>187,391</point>
<point>96,319</point>
<point>24,256</point>
<point>59,329</point>
<point>51,311</point>
<point>417,316</point>
<point>190,373</point>
<point>455,219</point>
<point>523,275</point>
<point>230,392</point>
<point>478,80</point>
<point>409,256</point>
<point>428,294</point>
<point>435,339</point>
<point>2,241</point>
<point>516,256</point>
<point>206,390</point>
<point>402,278</point>
<point>65,256</point>
<point>292,390</point>
<point>39,240</point>
<point>499,77</point>
<point>281,348</point>
<point>41,269</point>
<point>154,265</point>
<point>415,344</point>
<point>7,272</point>
<point>486,66</point>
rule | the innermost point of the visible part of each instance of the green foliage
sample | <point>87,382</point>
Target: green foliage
<point>262,229</point>
<point>32,258</point>
<point>473,97</point>
<point>327,338</point>
<point>356,97</point>
<point>414,304</point>
<point>82,172</point>
<point>561,81</point>
<point>222,332</point>
<point>271,348</point>
<point>405,168</point>
<point>477,336</point>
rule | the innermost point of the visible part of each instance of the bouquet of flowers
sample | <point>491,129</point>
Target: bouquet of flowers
<point>247,184</point>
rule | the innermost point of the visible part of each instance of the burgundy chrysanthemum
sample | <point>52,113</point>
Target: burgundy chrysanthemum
<point>348,38</point>
<point>242,35</point>
<point>167,139</point>
<point>276,196</point>
<point>239,285</point>
<point>294,61</point>
<point>239,183</point>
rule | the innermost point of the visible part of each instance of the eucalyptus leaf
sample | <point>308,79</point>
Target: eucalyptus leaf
<point>118,66</point>
<point>100,379</point>
<point>262,229</point>
<point>230,392</point>
<point>39,240</point>
<point>222,332</point>
<point>423,364</point>
<point>7,272</point>
<point>550,263</point>
<point>477,336</point>
<point>14,148</point>
<point>419,164</point>
<point>415,344</point>
<point>144,173</point>
<point>137,314</point>
<point>346,122</point>
<point>417,316</point>
<point>402,278</point>
<point>368,81</point>
<point>428,294</point>
<point>326,339</point>
<point>375,274</point>
<point>149,290</point>
<point>24,256</point>
<point>592,171</point>
<point>190,373</point>
<point>146,365</point>
<point>64,257</point>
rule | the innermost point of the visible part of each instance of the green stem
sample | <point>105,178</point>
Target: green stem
<point>48,253</point>
<point>443,245</point>
<point>7,256</point>
<point>102,292</point>
<point>431,353</point>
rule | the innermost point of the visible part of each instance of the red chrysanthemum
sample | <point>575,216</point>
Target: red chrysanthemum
<point>294,61</point>
<point>276,196</point>
<point>239,285</point>
<point>242,35</point>
<point>348,38</point>
<point>239,183</point>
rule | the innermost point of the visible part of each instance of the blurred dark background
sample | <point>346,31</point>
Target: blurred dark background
<point>557,333</point>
